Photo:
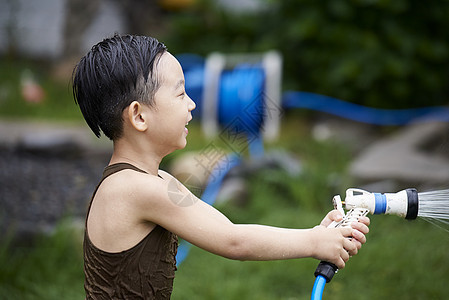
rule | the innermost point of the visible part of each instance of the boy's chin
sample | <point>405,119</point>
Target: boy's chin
<point>181,145</point>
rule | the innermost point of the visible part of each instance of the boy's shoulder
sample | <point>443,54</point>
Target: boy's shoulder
<point>149,195</point>
<point>137,189</point>
<point>143,185</point>
<point>136,183</point>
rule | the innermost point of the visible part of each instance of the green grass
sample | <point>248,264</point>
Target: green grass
<point>50,269</point>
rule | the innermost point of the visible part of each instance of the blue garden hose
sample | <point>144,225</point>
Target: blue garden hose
<point>324,271</point>
<point>361,113</point>
<point>245,83</point>
<point>318,288</point>
<point>216,178</point>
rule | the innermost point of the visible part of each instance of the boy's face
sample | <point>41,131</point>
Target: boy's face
<point>172,110</point>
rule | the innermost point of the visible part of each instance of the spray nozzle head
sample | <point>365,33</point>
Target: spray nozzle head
<point>403,203</point>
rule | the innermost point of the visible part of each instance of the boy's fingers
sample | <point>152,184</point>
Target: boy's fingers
<point>345,256</point>
<point>358,244</point>
<point>365,220</point>
<point>346,231</point>
<point>360,227</point>
<point>350,247</point>
<point>359,236</point>
<point>340,264</point>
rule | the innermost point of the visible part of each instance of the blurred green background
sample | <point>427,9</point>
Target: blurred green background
<point>385,54</point>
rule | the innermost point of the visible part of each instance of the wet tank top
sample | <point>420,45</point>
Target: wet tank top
<point>145,271</point>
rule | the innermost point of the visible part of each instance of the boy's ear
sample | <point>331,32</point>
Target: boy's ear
<point>137,116</point>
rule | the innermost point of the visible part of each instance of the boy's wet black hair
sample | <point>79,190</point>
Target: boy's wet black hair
<point>114,73</point>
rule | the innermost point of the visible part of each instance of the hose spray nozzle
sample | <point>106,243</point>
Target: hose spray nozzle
<point>403,203</point>
<point>358,203</point>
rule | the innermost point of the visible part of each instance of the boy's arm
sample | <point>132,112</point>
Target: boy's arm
<point>207,228</point>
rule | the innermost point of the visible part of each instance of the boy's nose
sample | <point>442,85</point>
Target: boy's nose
<point>192,105</point>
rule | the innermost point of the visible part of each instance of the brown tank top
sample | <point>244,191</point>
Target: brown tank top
<point>146,271</point>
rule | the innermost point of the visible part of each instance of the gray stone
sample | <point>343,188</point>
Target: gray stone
<point>407,156</point>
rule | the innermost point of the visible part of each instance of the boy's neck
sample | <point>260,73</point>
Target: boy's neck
<point>147,161</point>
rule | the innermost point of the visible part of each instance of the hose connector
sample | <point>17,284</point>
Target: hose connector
<point>326,269</point>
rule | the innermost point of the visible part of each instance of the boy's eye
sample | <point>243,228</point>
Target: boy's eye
<point>182,94</point>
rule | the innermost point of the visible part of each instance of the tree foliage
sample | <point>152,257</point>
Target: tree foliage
<point>380,53</point>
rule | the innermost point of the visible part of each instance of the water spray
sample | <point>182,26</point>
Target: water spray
<point>432,206</point>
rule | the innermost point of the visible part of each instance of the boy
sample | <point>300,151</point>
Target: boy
<point>132,89</point>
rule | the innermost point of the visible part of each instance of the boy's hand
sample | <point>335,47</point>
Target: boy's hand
<point>336,245</point>
<point>361,227</point>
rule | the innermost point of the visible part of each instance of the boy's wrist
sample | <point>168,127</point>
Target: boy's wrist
<point>311,242</point>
